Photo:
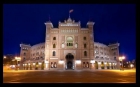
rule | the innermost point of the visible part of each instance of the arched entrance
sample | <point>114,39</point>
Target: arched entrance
<point>102,65</point>
<point>69,61</point>
<point>96,65</point>
<point>107,65</point>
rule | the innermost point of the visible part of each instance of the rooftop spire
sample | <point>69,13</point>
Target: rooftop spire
<point>69,15</point>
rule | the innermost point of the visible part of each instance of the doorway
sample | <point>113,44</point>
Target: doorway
<point>69,61</point>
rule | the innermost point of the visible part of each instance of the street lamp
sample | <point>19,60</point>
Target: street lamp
<point>4,57</point>
<point>121,58</point>
<point>131,65</point>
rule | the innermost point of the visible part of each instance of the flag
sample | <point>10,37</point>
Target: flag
<point>71,11</point>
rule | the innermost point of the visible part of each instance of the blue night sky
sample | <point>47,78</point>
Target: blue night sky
<point>113,23</point>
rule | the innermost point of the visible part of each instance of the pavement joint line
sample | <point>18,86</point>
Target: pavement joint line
<point>69,82</point>
<point>122,80</point>
<point>22,78</point>
<point>110,78</point>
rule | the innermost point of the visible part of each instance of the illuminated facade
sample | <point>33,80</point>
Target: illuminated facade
<point>69,47</point>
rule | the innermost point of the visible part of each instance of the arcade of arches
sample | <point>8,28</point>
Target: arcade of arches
<point>105,65</point>
<point>34,66</point>
<point>69,64</point>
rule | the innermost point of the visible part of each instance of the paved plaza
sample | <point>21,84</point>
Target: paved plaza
<point>69,76</point>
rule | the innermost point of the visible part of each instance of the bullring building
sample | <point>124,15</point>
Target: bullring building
<point>69,47</point>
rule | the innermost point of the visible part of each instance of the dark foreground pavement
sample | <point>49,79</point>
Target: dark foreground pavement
<point>70,76</point>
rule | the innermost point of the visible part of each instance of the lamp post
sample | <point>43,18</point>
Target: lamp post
<point>4,57</point>
<point>131,65</point>
<point>121,58</point>
<point>17,59</point>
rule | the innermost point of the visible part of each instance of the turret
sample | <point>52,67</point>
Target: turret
<point>24,53</point>
<point>49,26</point>
<point>114,49</point>
<point>90,27</point>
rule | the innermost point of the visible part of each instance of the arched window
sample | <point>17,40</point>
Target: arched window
<point>71,44</point>
<point>54,46</point>
<point>85,46</point>
<point>96,47</point>
<point>84,38</point>
<point>51,64</point>
<point>54,65</point>
<point>24,54</point>
<point>87,65</point>
<point>69,41</point>
<point>114,58</point>
<point>114,53</point>
<point>54,38</point>
<point>97,57</point>
<point>102,58</point>
<point>85,53</point>
<point>96,52</point>
<point>53,53</point>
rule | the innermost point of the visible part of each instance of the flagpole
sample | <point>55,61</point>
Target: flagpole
<point>69,15</point>
<point>70,12</point>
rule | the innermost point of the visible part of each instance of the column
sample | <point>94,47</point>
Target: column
<point>75,65</point>
<point>25,66</point>
<point>28,66</point>
<point>105,65</point>
<point>99,65</point>
<point>113,65</point>
<point>46,66</point>
<point>22,66</point>
<point>65,66</point>
<point>33,66</point>
<point>118,65</point>
<point>92,64</point>
<point>110,66</point>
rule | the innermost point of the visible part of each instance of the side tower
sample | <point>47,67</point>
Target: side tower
<point>49,26</point>
<point>24,54</point>
<point>114,53</point>
<point>90,25</point>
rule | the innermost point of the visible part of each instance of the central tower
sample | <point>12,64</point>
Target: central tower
<point>69,46</point>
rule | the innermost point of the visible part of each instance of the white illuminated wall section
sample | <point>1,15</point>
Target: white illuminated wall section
<point>92,61</point>
<point>61,62</point>
<point>78,61</point>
